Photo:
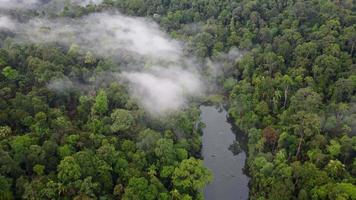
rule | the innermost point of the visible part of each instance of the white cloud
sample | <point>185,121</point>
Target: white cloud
<point>34,4</point>
<point>7,23</point>
<point>106,34</point>
<point>14,4</point>
<point>86,2</point>
<point>167,79</point>
<point>163,90</point>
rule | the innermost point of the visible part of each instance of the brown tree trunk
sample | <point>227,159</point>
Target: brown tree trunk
<point>352,48</point>
<point>285,97</point>
<point>299,146</point>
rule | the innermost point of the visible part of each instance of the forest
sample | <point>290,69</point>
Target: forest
<point>78,122</point>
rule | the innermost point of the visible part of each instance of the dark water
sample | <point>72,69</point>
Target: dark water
<point>229,183</point>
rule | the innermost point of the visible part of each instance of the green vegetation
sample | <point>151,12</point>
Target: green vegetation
<point>293,93</point>
<point>295,89</point>
<point>95,144</point>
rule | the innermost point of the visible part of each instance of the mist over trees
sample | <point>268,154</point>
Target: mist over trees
<point>78,96</point>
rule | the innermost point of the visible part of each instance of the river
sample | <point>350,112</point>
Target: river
<point>230,182</point>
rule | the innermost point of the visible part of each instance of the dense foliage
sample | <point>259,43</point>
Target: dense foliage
<point>293,93</point>
<point>296,98</point>
<point>92,142</point>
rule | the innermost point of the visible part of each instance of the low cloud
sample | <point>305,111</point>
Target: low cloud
<point>160,77</point>
<point>16,4</point>
<point>164,90</point>
<point>57,5</point>
<point>61,85</point>
<point>87,2</point>
<point>223,62</point>
<point>6,23</point>
<point>105,34</point>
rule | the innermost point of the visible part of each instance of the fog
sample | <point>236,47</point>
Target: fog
<point>105,34</point>
<point>15,4</point>
<point>160,77</point>
<point>223,62</point>
<point>6,23</point>
<point>45,4</point>
<point>62,85</point>
<point>164,90</point>
<point>86,2</point>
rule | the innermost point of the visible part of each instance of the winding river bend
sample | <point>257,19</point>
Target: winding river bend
<point>230,182</point>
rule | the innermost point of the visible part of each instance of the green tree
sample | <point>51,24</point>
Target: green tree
<point>39,169</point>
<point>334,148</point>
<point>305,99</point>
<point>69,170</point>
<point>165,151</point>
<point>148,139</point>
<point>5,185</point>
<point>10,73</point>
<point>140,188</point>
<point>89,58</point>
<point>308,125</point>
<point>122,120</point>
<point>5,131</point>
<point>191,176</point>
<point>101,103</point>
<point>349,37</point>
<point>335,169</point>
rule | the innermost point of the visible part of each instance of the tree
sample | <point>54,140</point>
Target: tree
<point>122,120</point>
<point>139,188</point>
<point>84,106</point>
<point>334,148</point>
<point>5,185</point>
<point>69,170</point>
<point>191,176</point>
<point>346,150</point>
<point>5,131</point>
<point>286,83</point>
<point>165,152</point>
<point>335,169</point>
<point>271,137</point>
<point>73,51</point>
<point>343,190</point>
<point>51,190</point>
<point>20,146</point>
<point>101,103</point>
<point>272,62</point>
<point>307,176</point>
<point>40,126</point>
<point>87,189</point>
<point>325,68</point>
<point>305,54</point>
<point>307,126</point>
<point>306,99</point>
<point>349,38</point>
<point>10,73</point>
<point>89,58</point>
<point>343,90</point>
<point>147,139</point>
<point>39,169</point>
<point>204,43</point>
<point>262,108</point>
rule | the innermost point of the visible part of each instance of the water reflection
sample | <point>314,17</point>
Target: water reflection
<point>224,156</point>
